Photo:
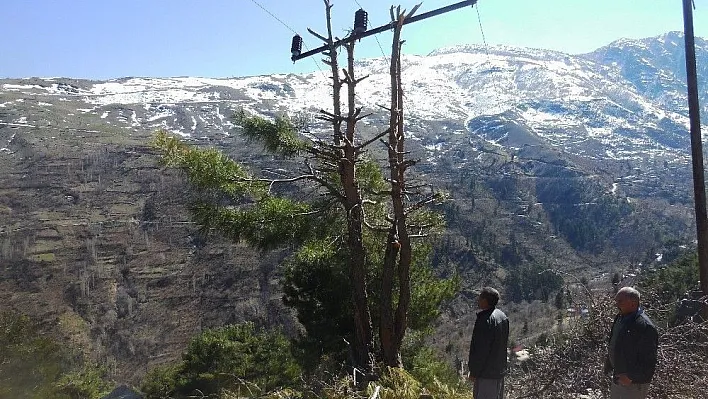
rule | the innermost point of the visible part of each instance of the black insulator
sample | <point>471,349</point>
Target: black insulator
<point>361,20</point>
<point>296,47</point>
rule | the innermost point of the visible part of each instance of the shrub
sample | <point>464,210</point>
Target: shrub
<point>425,365</point>
<point>33,365</point>
<point>236,358</point>
<point>160,382</point>
<point>399,384</point>
<point>86,383</point>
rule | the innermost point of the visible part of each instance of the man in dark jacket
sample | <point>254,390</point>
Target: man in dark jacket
<point>488,349</point>
<point>633,343</point>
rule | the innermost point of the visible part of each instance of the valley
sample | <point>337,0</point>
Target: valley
<point>552,161</point>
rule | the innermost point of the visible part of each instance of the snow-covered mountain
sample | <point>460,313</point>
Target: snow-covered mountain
<point>622,101</point>
<point>622,104</point>
<point>656,68</point>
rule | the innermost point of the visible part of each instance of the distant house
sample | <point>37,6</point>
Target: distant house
<point>123,392</point>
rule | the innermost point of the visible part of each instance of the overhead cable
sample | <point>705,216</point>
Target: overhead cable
<point>287,26</point>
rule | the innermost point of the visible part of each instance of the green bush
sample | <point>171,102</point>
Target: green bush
<point>400,384</point>
<point>86,383</point>
<point>425,365</point>
<point>29,362</point>
<point>35,366</point>
<point>236,358</point>
<point>668,285</point>
<point>673,281</point>
<point>160,382</point>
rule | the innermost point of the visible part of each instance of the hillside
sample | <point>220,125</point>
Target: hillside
<point>552,160</point>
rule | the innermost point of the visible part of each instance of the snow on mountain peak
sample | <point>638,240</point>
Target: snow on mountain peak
<point>550,92</point>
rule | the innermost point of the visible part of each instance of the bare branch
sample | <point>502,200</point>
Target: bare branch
<point>377,137</point>
<point>331,188</point>
<point>425,201</point>
<point>420,227</point>
<point>360,79</point>
<point>331,115</point>
<point>358,118</point>
<point>317,35</point>
<point>415,186</point>
<point>324,118</point>
<point>417,6</point>
<point>388,146</point>
<point>407,163</point>
<point>537,393</point>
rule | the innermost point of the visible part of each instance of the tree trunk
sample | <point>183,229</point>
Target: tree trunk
<point>355,221</point>
<point>397,257</point>
<point>699,188</point>
<point>346,159</point>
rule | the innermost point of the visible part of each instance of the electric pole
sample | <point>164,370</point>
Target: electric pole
<point>699,189</point>
<point>296,55</point>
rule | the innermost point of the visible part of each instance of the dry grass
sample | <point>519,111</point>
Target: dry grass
<point>571,365</point>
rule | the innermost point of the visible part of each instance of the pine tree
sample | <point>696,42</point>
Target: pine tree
<point>346,214</point>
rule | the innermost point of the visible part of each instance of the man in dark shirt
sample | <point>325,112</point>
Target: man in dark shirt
<point>488,349</point>
<point>632,348</point>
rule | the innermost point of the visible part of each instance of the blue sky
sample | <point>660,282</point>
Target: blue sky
<point>103,39</point>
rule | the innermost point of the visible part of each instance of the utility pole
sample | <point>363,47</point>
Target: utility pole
<point>699,189</point>
<point>382,28</point>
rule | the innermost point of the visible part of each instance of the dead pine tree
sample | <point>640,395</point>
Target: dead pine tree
<point>405,200</point>
<point>365,213</point>
<point>344,154</point>
<point>397,259</point>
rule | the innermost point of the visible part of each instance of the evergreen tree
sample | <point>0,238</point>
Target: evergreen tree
<point>346,223</point>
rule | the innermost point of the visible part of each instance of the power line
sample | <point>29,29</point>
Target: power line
<point>287,26</point>
<point>484,39</point>
<point>486,50</point>
<point>274,16</point>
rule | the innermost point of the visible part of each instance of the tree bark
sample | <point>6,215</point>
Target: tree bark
<point>352,202</point>
<point>699,188</point>
<point>355,221</point>
<point>397,258</point>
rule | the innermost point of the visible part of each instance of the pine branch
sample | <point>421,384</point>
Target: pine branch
<point>379,228</point>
